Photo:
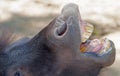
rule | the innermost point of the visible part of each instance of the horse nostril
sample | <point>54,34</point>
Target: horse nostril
<point>61,29</point>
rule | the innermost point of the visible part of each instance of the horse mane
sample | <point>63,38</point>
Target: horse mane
<point>6,38</point>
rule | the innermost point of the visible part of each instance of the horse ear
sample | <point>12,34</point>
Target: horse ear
<point>6,37</point>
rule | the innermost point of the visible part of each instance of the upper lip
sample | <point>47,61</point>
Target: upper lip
<point>70,10</point>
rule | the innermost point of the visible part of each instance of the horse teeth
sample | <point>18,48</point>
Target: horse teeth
<point>84,39</point>
<point>88,31</point>
<point>106,45</point>
<point>89,26</point>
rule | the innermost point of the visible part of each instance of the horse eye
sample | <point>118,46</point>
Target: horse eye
<point>18,74</point>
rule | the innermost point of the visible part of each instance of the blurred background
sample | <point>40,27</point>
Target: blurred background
<point>28,17</point>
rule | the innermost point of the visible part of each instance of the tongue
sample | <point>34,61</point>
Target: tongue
<point>97,49</point>
<point>94,46</point>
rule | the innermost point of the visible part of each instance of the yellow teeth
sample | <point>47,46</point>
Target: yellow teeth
<point>83,49</point>
<point>88,31</point>
<point>106,45</point>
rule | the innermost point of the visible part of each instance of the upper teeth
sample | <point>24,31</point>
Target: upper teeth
<point>87,33</point>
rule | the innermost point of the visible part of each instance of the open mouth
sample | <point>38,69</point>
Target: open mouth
<point>96,46</point>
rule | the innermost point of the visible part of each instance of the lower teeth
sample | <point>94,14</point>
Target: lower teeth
<point>105,46</point>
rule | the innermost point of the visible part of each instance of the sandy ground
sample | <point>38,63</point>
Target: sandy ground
<point>28,17</point>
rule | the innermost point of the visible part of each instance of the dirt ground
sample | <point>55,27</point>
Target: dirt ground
<point>28,17</point>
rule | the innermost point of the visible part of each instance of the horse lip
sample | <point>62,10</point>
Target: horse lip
<point>70,10</point>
